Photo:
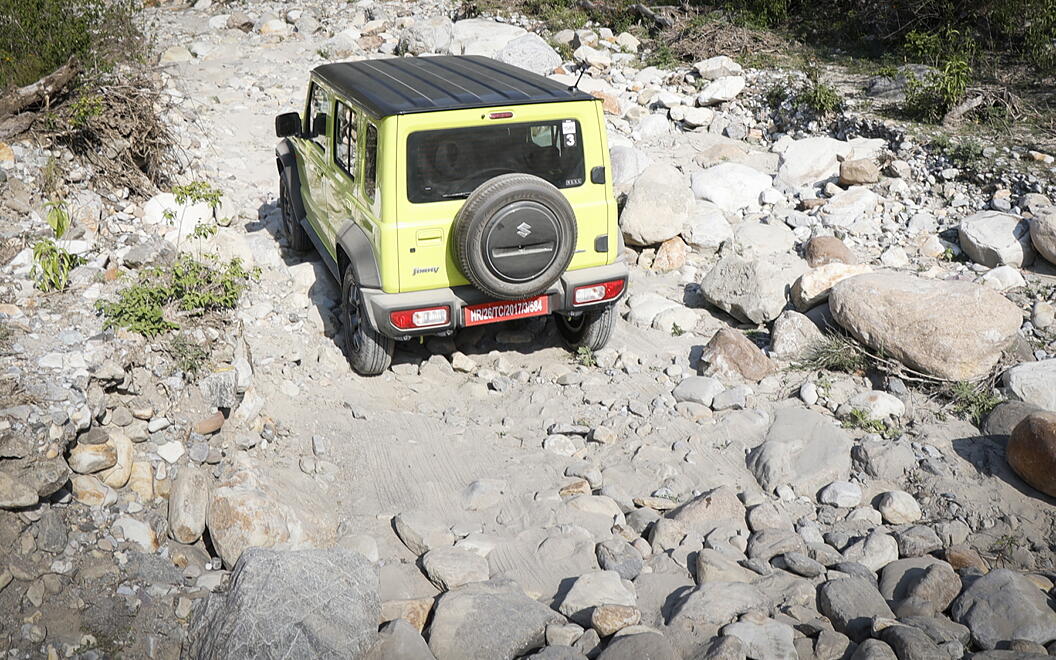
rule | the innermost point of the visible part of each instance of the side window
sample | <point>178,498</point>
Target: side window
<point>370,161</point>
<point>318,107</point>
<point>345,139</point>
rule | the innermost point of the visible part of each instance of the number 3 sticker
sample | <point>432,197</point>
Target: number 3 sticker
<point>570,140</point>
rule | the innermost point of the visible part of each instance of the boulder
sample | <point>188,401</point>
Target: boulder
<point>399,640</point>
<point>256,507</point>
<point>14,494</point>
<point>718,67</point>
<point>1031,451</point>
<point>996,239</point>
<point>814,286</point>
<point>813,160</point>
<point>427,35</point>
<point>898,507</point>
<point>657,206</point>
<point>764,639</point>
<point>480,36</point>
<point>858,172</point>
<point>1043,234</point>
<point>706,228</point>
<point>671,255</point>
<point>847,206</point>
<point>719,508</point>
<point>531,52</point>
<point>822,250</point>
<point>802,449</point>
<point>1004,605</point>
<point>721,90</point>
<point>493,619</point>
<point>731,355</point>
<point>717,603</point>
<point>449,568</point>
<point>731,186</point>
<point>627,164</point>
<point>592,590</point>
<point>950,329</point>
<point>639,646</point>
<point>697,389</point>
<point>752,290</point>
<point>1006,415</point>
<point>850,603</point>
<point>188,504</point>
<point>752,240</point>
<point>794,336</point>
<point>272,608</point>
<point>1033,383</point>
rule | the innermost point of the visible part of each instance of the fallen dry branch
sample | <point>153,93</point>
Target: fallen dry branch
<point>41,91</point>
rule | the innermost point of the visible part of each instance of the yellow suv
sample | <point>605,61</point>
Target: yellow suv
<point>454,191</point>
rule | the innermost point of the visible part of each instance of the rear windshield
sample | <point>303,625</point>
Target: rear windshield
<point>451,163</point>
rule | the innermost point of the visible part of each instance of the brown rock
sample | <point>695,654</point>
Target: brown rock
<point>86,459</point>
<point>822,250</point>
<point>578,487</point>
<point>1031,451</point>
<point>951,329</point>
<point>89,490</point>
<point>963,556</point>
<point>609,102</point>
<point>730,354</point>
<point>609,619</point>
<point>415,611</point>
<point>118,475</point>
<point>141,481</point>
<point>671,255</point>
<point>210,424</point>
<point>857,172</point>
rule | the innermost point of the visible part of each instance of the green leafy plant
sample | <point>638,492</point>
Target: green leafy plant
<point>676,330</point>
<point>972,401</point>
<point>187,287</point>
<point>860,419</point>
<point>195,192</point>
<point>51,263</point>
<point>777,94</point>
<point>85,108</point>
<point>663,57</point>
<point>822,98</point>
<point>585,356</point>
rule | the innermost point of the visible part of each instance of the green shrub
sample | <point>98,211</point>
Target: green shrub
<point>836,353</point>
<point>38,36</point>
<point>972,401</point>
<point>188,286</point>
<point>931,98</point>
<point>51,263</point>
<point>819,96</point>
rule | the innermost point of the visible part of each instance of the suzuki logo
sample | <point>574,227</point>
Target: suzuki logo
<point>524,229</point>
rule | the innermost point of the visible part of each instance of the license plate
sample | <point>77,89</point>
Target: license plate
<point>506,310</point>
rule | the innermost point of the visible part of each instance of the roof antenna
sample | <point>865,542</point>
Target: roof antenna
<point>575,85</point>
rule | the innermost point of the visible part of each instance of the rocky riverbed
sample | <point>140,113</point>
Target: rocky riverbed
<point>780,454</point>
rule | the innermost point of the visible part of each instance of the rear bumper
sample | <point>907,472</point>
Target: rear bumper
<point>379,305</point>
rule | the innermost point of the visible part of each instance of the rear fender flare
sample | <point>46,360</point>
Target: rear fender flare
<point>353,241</point>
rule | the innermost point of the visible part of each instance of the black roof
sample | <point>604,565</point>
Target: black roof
<point>401,85</point>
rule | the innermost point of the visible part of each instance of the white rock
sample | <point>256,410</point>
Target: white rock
<point>843,494</point>
<point>171,451</point>
<point>479,36</point>
<point>718,67</point>
<point>1003,278</point>
<point>731,186</point>
<point>899,507</point>
<point>706,228</point>
<point>1033,382</point>
<point>721,90</point>
<point>591,590</point>
<point>138,532</point>
<point>698,389</point>
<point>996,239</point>
<point>848,206</point>
<point>559,444</point>
<point>875,404</point>
<point>657,206</point>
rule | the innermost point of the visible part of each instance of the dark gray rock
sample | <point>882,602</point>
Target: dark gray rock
<point>718,603</point>
<point>850,603</point>
<point>873,649</point>
<point>939,628</point>
<point>290,604</point>
<point>642,646</point>
<point>917,541</point>
<point>1005,415</point>
<point>557,653</point>
<point>618,555</point>
<point>1004,605</point>
<point>493,619</point>
<point>910,643</point>
<point>800,564</point>
<point>51,532</point>
<point>768,543</point>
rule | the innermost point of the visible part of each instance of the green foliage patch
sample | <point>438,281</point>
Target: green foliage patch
<point>187,287</point>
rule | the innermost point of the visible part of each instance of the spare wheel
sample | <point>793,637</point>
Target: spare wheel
<point>514,236</point>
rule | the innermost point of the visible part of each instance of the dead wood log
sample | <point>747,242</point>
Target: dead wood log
<point>956,114</point>
<point>40,91</point>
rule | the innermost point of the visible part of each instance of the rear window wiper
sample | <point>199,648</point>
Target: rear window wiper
<point>456,195</point>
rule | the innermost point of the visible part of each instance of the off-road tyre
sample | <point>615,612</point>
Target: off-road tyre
<point>368,351</point>
<point>296,237</point>
<point>490,222</point>
<point>591,329</point>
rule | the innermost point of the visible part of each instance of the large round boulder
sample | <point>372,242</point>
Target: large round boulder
<point>950,329</point>
<point>1031,451</point>
<point>657,206</point>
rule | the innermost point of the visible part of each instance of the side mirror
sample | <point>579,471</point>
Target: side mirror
<point>287,124</point>
<point>319,124</point>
